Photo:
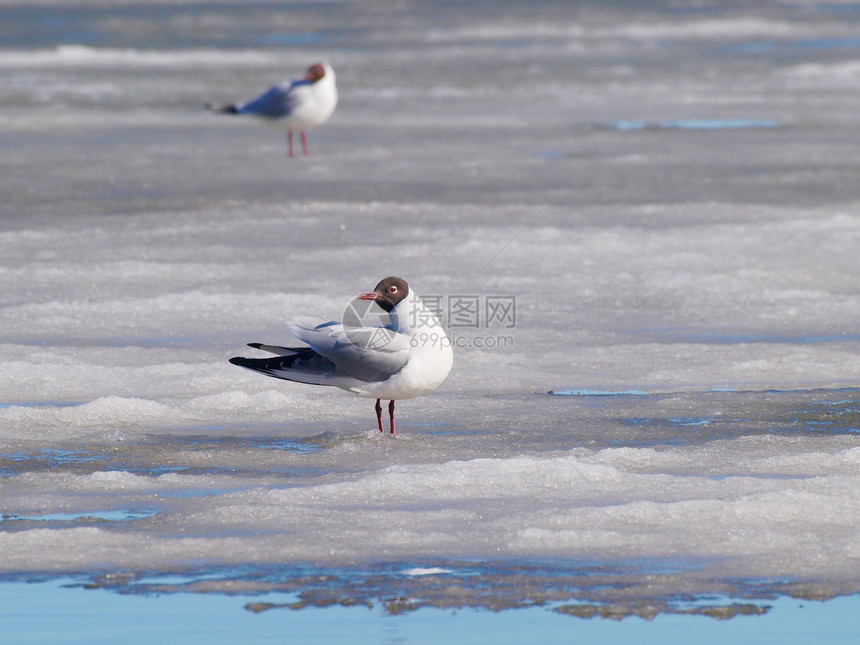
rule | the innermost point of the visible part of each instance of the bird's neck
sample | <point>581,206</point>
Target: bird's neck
<point>410,316</point>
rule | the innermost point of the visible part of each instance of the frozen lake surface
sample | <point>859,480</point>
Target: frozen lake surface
<point>663,201</point>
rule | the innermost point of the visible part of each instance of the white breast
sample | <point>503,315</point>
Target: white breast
<point>314,104</point>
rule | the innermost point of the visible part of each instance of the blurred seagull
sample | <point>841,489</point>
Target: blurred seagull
<point>407,354</point>
<point>298,105</point>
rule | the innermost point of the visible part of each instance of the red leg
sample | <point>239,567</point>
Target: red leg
<point>290,142</point>
<point>305,143</point>
<point>391,414</point>
<point>379,415</point>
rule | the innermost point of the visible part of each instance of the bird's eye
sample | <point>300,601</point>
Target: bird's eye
<point>392,289</point>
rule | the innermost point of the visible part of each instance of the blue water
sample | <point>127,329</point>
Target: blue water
<point>587,392</point>
<point>699,124</point>
<point>106,516</point>
<point>51,612</point>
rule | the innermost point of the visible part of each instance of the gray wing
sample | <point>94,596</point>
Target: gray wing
<point>367,353</point>
<point>274,104</point>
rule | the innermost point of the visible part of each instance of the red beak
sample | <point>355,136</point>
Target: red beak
<point>369,296</point>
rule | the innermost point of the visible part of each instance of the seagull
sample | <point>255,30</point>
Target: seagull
<point>298,105</point>
<point>404,355</point>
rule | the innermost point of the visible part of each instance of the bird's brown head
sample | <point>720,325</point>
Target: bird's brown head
<point>388,293</point>
<point>315,72</point>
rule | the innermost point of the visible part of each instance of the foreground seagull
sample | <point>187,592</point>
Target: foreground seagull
<point>408,355</point>
<point>295,106</point>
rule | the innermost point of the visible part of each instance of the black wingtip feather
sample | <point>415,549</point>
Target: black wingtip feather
<point>279,350</point>
<point>280,366</point>
<point>222,109</point>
